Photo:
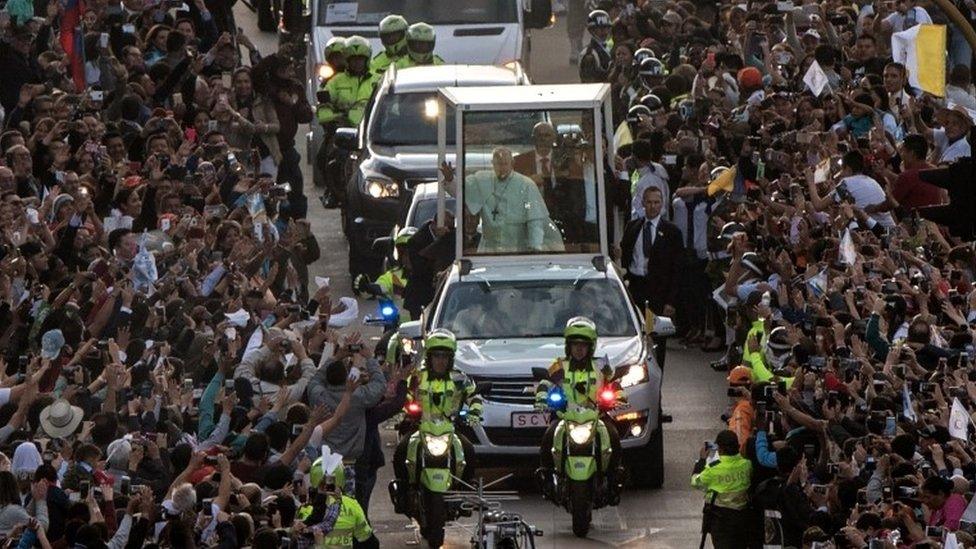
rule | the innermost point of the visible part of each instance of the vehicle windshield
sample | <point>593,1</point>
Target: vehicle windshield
<point>433,12</point>
<point>427,209</point>
<point>401,119</point>
<point>539,308</point>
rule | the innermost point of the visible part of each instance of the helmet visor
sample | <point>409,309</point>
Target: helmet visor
<point>392,38</point>
<point>420,46</point>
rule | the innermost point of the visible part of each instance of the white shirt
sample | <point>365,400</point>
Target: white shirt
<point>866,192</point>
<point>638,263</point>
<point>949,152</point>
<point>960,96</point>
<point>897,20</point>
<point>654,175</point>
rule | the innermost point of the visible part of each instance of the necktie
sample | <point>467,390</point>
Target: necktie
<point>545,165</point>
<point>648,237</point>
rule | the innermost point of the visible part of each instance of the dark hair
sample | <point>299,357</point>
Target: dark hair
<point>904,446</point>
<point>256,447</point>
<point>175,41</point>
<point>868,36</point>
<point>917,144</point>
<point>104,428</point>
<point>9,493</point>
<point>641,150</point>
<point>937,485</point>
<point>825,55</point>
<point>88,453</point>
<point>727,441</point>
<point>278,433</point>
<point>335,373</point>
<point>855,161</point>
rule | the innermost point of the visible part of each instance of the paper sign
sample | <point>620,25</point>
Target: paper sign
<point>321,281</point>
<point>815,79</point>
<point>118,222</point>
<point>342,12</point>
<point>822,172</point>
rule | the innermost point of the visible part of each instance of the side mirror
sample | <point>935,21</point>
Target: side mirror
<point>540,374</point>
<point>539,14</point>
<point>382,244</point>
<point>663,326</point>
<point>411,330</point>
<point>346,138</point>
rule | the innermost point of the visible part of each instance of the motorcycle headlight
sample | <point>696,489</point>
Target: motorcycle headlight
<point>581,433</point>
<point>437,445</point>
<point>325,71</point>
<point>378,187</point>
<point>636,373</point>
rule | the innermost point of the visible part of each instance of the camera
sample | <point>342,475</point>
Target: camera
<point>354,347</point>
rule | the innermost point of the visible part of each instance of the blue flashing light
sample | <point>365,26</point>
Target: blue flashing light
<point>555,397</point>
<point>387,311</point>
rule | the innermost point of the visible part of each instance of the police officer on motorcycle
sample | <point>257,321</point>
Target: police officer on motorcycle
<point>420,47</point>
<point>442,392</point>
<point>391,283</point>
<point>595,58</point>
<point>393,35</point>
<point>581,378</point>
<point>335,60</point>
<point>342,102</point>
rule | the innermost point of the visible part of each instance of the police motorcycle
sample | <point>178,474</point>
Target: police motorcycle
<point>435,461</point>
<point>435,457</point>
<point>582,452</point>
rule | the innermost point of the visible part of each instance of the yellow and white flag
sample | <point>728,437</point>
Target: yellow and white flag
<point>922,49</point>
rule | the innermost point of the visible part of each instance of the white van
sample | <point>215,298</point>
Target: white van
<point>474,32</point>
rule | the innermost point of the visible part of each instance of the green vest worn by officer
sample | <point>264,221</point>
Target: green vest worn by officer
<point>727,480</point>
<point>348,93</point>
<point>581,383</point>
<point>441,396</point>
<point>393,34</point>
<point>420,47</point>
<point>339,531</point>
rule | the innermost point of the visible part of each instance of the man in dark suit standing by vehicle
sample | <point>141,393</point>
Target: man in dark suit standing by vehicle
<point>651,252</point>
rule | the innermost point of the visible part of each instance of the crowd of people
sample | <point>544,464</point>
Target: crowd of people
<point>825,239</point>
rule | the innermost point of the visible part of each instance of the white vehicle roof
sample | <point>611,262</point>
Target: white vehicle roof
<point>425,191</point>
<point>429,78</point>
<point>538,97</point>
<point>525,269</point>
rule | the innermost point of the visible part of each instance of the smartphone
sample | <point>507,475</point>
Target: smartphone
<point>819,489</point>
<point>125,486</point>
<point>211,125</point>
<point>208,507</point>
<point>670,159</point>
<point>890,426</point>
<point>83,488</point>
<point>22,364</point>
<point>933,532</point>
<point>103,40</point>
<point>296,430</point>
<point>129,28</point>
<point>225,80</point>
<point>187,384</point>
<point>97,95</point>
<point>177,98</point>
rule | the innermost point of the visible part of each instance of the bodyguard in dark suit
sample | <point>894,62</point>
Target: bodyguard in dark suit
<point>651,252</point>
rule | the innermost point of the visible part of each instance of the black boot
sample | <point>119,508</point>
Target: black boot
<point>543,477</point>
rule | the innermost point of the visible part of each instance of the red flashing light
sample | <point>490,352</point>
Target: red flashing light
<point>413,409</point>
<point>608,396</point>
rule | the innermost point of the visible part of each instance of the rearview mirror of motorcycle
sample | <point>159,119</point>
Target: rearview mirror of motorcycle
<point>482,387</point>
<point>540,374</point>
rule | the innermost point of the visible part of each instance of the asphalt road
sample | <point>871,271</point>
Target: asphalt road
<point>693,394</point>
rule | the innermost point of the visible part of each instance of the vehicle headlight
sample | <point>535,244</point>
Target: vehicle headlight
<point>437,445</point>
<point>382,188</point>
<point>636,373</point>
<point>581,433</point>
